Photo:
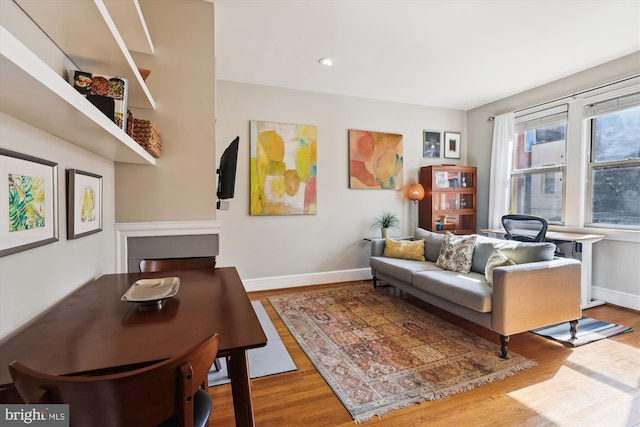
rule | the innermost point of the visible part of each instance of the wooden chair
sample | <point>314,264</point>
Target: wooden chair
<point>164,393</point>
<point>167,264</point>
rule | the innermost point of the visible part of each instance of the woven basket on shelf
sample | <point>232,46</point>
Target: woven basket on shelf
<point>145,133</point>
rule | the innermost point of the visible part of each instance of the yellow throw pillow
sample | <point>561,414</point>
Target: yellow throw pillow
<point>497,259</point>
<point>405,249</point>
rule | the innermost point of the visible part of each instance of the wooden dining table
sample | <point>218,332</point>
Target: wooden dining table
<point>93,331</point>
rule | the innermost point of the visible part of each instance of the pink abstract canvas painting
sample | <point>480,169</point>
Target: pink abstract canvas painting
<point>375,160</point>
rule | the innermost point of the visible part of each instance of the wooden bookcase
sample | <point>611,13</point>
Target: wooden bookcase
<point>450,198</point>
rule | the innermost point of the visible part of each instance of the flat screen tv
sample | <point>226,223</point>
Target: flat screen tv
<point>227,171</point>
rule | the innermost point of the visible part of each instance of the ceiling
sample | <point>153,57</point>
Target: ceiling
<point>456,54</point>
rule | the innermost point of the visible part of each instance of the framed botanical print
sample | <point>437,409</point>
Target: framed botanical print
<point>84,203</point>
<point>452,145</point>
<point>28,202</point>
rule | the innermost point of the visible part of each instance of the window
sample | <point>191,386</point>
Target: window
<point>614,164</point>
<point>576,159</point>
<point>537,175</point>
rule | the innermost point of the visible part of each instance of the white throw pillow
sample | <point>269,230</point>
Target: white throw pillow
<point>497,259</point>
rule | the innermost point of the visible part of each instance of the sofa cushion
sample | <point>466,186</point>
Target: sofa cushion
<point>405,249</point>
<point>497,259</point>
<point>518,252</point>
<point>401,269</point>
<point>468,290</point>
<point>432,243</point>
<point>456,253</point>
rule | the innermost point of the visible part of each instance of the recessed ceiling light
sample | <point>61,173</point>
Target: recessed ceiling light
<point>328,62</point>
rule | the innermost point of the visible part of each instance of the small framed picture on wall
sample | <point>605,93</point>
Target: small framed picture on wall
<point>431,147</point>
<point>84,203</point>
<point>452,144</point>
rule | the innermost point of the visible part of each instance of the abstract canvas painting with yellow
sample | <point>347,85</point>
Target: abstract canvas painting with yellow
<point>283,169</point>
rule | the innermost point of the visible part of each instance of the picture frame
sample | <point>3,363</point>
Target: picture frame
<point>376,160</point>
<point>28,202</point>
<point>431,144</point>
<point>452,145</point>
<point>84,203</point>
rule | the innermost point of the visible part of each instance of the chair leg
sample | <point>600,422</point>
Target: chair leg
<point>216,363</point>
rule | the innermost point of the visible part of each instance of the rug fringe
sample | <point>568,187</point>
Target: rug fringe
<point>383,412</point>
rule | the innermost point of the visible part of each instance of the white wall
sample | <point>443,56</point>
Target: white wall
<point>181,186</point>
<point>616,270</point>
<point>280,251</point>
<point>33,280</point>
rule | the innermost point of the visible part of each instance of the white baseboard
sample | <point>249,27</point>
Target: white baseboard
<point>623,299</point>
<point>292,281</point>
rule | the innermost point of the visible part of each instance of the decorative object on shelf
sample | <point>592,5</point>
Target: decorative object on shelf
<point>29,196</point>
<point>431,142</point>
<point>146,134</point>
<point>144,73</point>
<point>283,169</point>
<point>452,145</point>
<point>375,160</point>
<point>415,192</point>
<point>385,221</point>
<point>84,203</point>
<point>109,94</point>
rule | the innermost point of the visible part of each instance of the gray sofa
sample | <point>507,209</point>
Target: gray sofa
<point>539,290</point>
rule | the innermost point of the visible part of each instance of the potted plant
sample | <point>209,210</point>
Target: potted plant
<point>385,221</point>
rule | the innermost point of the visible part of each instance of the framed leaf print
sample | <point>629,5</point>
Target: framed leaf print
<point>28,202</point>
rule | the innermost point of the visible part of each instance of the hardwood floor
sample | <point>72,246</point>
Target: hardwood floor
<point>594,385</point>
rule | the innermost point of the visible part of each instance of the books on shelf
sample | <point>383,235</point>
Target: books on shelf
<point>108,93</point>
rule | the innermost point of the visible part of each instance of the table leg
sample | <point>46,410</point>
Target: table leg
<point>585,255</point>
<point>238,367</point>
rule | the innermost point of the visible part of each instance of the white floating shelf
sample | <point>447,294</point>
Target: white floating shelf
<point>128,17</point>
<point>34,93</point>
<point>86,33</point>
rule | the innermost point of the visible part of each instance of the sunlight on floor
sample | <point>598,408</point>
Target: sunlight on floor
<point>599,384</point>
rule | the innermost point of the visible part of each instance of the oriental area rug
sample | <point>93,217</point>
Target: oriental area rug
<point>379,353</point>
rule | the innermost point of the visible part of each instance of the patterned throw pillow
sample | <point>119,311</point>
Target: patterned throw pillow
<point>456,253</point>
<point>496,259</point>
<point>405,249</point>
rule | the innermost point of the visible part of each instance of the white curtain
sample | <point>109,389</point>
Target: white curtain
<point>501,159</point>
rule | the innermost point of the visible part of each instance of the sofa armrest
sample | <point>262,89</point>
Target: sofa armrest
<point>377,246</point>
<point>533,295</point>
